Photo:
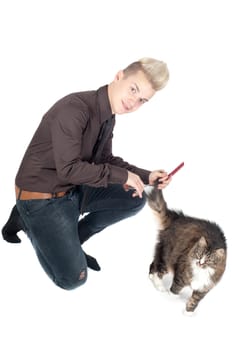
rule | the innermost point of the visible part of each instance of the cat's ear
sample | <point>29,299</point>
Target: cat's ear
<point>220,253</point>
<point>202,242</point>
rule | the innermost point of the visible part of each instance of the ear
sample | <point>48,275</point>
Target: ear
<point>202,242</point>
<point>220,252</point>
<point>119,76</point>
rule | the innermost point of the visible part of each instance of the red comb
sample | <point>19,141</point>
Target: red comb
<point>176,169</point>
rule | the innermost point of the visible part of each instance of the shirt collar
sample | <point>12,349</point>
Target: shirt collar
<point>104,103</point>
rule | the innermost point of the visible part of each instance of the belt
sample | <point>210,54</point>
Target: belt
<point>26,195</point>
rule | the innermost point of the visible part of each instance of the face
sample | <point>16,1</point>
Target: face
<point>127,94</point>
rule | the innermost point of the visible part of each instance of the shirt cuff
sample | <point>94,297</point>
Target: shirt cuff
<point>118,175</point>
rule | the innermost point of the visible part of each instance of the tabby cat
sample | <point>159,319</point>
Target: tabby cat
<point>192,249</point>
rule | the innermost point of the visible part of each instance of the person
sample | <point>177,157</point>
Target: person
<point>70,186</point>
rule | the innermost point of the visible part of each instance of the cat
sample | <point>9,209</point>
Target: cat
<point>194,250</point>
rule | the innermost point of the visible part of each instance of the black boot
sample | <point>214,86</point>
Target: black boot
<point>13,225</point>
<point>92,262</point>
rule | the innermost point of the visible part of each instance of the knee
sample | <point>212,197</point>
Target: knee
<point>73,281</point>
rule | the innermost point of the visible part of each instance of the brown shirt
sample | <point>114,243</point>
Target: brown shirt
<point>59,155</point>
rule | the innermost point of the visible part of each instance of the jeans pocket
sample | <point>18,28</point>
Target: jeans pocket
<point>33,206</point>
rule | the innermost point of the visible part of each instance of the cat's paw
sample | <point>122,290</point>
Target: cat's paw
<point>157,282</point>
<point>188,313</point>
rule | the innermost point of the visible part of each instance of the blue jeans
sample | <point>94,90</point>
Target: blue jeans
<point>56,232</point>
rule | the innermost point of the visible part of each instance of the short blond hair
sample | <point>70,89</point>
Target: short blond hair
<point>156,71</point>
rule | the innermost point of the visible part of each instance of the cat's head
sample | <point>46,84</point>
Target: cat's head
<point>204,256</point>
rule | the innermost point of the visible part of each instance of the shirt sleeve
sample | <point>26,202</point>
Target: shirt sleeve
<point>67,131</point>
<point>118,162</point>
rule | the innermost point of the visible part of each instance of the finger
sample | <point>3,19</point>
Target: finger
<point>126,188</point>
<point>164,175</point>
<point>135,194</point>
<point>164,178</point>
<point>161,173</point>
<point>139,185</point>
<point>163,184</point>
<point>138,191</point>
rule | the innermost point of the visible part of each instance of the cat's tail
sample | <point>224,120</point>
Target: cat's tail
<point>158,205</point>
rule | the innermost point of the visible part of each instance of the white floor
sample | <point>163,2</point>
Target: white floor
<point>53,48</point>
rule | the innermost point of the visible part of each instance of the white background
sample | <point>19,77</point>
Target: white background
<point>52,48</point>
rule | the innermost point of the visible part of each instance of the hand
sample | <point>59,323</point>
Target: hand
<point>163,177</point>
<point>134,181</point>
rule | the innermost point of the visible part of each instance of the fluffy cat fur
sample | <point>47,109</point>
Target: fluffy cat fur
<point>192,249</point>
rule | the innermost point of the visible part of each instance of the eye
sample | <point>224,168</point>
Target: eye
<point>142,100</point>
<point>133,90</point>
